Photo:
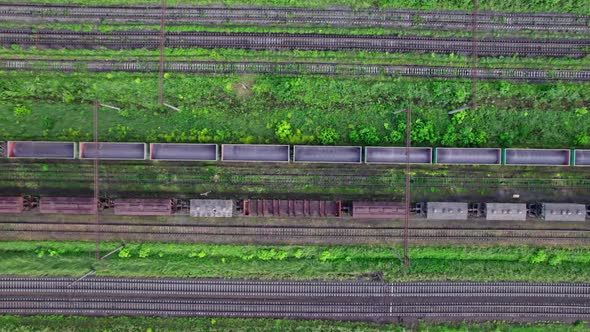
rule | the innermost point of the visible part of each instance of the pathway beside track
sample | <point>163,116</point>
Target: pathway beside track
<point>287,299</point>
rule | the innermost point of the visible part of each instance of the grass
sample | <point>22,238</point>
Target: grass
<point>285,28</point>
<point>10,323</point>
<point>297,262</point>
<point>563,6</point>
<point>293,110</point>
<point>292,28</point>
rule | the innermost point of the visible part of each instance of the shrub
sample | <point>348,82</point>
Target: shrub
<point>282,255</point>
<point>365,135</point>
<point>300,138</point>
<point>556,259</point>
<point>423,132</point>
<point>506,139</point>
<point>125,253</point>
<point>298,253</point>
<point>22,111</point>
<point>266,255</point>
<point>581,111</point>
<point>540,256</point>
<point>398,135</point>
<point>328,136</point>
<point>582,139</point>
<point>395,136</point>
<point>325,255</point>
<point>121,132</point>
<point>283,131</point>
<point>470,137</point>
<point>144,252</point>
<point>354,137</point>
<point>458,118</point>
<point>450,136</point>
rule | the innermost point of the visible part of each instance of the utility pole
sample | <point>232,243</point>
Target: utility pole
<point>96,181</point>
<point>97,106</point>
<point>474,46</point>
<point>407,198</point>
<point>162,42</point>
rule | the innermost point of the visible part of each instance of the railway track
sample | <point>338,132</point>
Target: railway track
<point>252,288</point>
<point>280,299</point>
<point>134,179</point>
<point>270,16</point>
<point>285,179</point>
<point>298,68</point>
<point>282,310</point>
<point>187,175</point>
<point>285,41</point>
<point>241,233</point>
<point>266,180</point>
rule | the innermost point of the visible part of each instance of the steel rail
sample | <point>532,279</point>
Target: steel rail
<point>332,180</point>
<point>298,68</point>
<point>270,234</point>
<point>273,58</point>
<point>239,288</point>
<point>268,15</point>
<point>277,41</point>
<point>69,8</point>
<point>284,309</point>
<point>309,299</point>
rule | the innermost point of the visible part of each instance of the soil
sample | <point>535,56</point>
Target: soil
<point>150,228</point>
<point>296,181</point>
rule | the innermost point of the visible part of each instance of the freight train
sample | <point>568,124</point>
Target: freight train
<point>216,208</point>
<point>297,153</point>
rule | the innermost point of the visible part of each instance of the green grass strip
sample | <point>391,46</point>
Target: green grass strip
<point>296,262</point>
<point>10,323</point>
<point>292,29</point>
<point>293,110</point>
<point>561,6</point>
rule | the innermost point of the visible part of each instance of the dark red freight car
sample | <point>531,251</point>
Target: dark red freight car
<point>144,206</point>
<point>291,208</point>
<point>11,204</point>
<point>68,205</point>
<point>378,210</point>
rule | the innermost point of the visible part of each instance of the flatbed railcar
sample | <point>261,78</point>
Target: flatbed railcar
<point>301,208</point>
<point>297,154</point>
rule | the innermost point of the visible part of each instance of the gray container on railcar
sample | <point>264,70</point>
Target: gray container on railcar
<point>563,212</point>
<point>446,211</point>
<point>506,211</point>
<point>207,208</point>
